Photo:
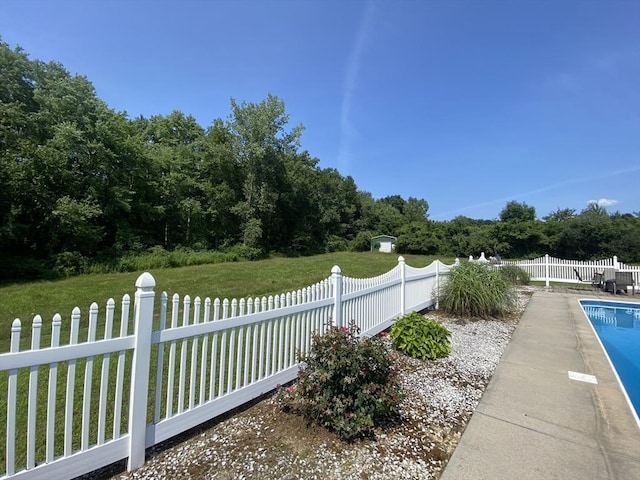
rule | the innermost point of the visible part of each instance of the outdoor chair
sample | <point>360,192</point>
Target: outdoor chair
<point>622,281</point>
<point>598,280</point>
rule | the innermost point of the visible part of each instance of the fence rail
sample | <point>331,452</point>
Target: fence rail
<point>550,269</point>
<point>148,374</point>
<point>91,403</point>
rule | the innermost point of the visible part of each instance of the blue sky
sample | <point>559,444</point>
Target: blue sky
<point>466,103</point>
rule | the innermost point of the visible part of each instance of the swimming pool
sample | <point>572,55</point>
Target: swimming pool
<point>617,325</point>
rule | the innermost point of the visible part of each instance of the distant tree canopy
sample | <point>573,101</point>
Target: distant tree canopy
<point>81,183</point>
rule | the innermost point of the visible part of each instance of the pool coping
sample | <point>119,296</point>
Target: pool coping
<point>534,421</point>
<point>604,350</point>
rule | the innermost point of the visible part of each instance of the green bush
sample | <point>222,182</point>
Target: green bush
<point>515,275</point>
<point>67,264</point>
<point>418,238</point>
<point>244,252</point>
<point>336,244</point>
<point>346,383</point>
<point>361,242</point>
<point>476,290</point>
<point>420,337</point>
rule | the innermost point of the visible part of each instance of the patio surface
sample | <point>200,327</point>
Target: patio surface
<point>534,422</point>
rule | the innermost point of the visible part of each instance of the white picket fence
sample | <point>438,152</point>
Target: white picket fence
<point>185,362</point>
<point>549,269</point>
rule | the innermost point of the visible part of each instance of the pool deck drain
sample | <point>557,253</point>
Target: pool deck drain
<point>533,423</point>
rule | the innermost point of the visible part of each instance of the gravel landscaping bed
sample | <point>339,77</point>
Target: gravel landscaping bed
<point>262,442</point>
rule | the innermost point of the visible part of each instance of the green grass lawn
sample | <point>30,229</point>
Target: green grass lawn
<point>222,280</point>
<point>576,285</point>
<point>229,280</point>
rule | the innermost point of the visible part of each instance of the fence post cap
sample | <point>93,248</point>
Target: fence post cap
<point>146,281</point>
<point>336,270</point>
<point>401,259</point>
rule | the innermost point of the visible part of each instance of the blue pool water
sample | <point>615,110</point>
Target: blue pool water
<point>618,326</point>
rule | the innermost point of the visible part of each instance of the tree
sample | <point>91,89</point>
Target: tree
<point>518,232</point>
<point>517,212</point>
<point>16,136</point>
<point>553,225</point>
<point>415,210</point>
<point>395,201</point>
<point>261,143</point>
<point>626,236</point>
<point>175,147</point>
<point>587,236</point>
<point>389,218</point>
<point>60,160</point>
<point>419,238</point>
<point>467,236</point>
<point>221,184</point>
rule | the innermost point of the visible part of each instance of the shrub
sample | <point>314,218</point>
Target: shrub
<point>420,337</point>
<point>67,264</point>
<point>244,252</point>
<point>476,290</point>
<point>515,275</point>
<point>346,383</point>
<point>418,238</point>
<point>361,242</point>
<point>336,244</point>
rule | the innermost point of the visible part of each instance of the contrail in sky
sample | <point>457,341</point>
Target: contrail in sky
<point>554,186</point>
<point>347,130</point>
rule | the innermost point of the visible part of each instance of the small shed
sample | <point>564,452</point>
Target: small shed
<point>384,243</point>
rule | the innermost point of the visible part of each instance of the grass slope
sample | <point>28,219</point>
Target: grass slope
<point>222,280</point>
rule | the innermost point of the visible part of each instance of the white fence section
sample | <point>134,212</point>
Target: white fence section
<point>550,269</point>
<point>77,406</point>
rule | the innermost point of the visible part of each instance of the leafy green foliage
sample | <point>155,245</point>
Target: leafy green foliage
<point>362,242</point>
<point>476,290</point>
<point>515,275</point>
<point>80,181</point>
<point>516,212</point>
<point>420,337</point>
<point>346,383</point>
<point>420,238</point>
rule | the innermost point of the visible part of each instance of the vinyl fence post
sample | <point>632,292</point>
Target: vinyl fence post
<point>437,306</point>
<point>143,322</point>
<point>403,285</point>
<point>336,276</point>
<point>546,269</point>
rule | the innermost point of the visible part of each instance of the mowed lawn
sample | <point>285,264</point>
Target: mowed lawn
<point>223,280</point>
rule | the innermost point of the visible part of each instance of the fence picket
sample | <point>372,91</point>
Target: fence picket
<point>104,376</point>
<point>186,304</point>
<point>204,352</point>
<point>227,355</point>
<point>56,325</point>
<point>32,402</point>
<point>160,359</point>
<point>71,381</point>
<point>223,358</point>
<point>119,393</point>
<point>88,379</point>
<point>194,355</point>
<point>12,388</point>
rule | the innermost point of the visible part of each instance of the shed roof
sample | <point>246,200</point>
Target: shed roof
<point>378,237</point>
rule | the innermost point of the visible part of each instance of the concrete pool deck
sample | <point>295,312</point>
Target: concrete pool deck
<point>534,422</point>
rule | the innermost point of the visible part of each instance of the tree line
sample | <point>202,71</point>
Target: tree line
<point>82,183</point>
